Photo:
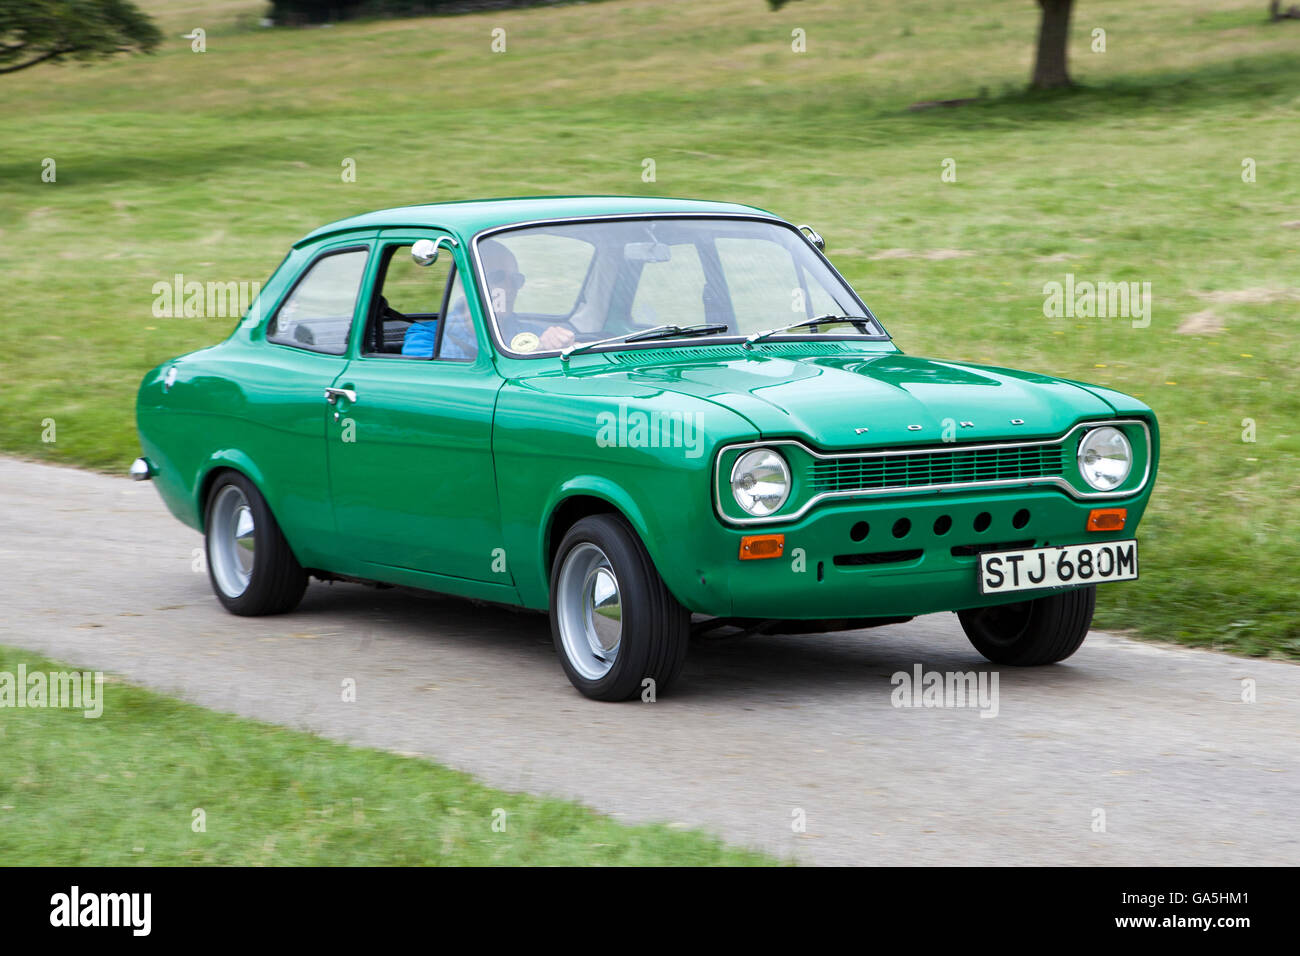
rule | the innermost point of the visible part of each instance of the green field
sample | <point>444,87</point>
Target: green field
<point>211,164</point>
<point>135,776</point>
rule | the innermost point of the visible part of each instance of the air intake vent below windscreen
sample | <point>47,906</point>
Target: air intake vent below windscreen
<point>724,353</point>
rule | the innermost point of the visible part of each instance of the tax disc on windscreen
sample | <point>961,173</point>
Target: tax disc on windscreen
<point>525,342</point>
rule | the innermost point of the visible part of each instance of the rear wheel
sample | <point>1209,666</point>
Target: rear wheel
<point>1042,631</point>
<point>252,569</point>
<point>614,623</point>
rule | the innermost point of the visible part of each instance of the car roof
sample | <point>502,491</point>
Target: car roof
<point>468,217</point>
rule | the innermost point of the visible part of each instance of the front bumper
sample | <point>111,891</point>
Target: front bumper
<point>905,564</point>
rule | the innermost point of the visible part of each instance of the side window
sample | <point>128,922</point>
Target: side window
<point>672,291</point>
<point>318,313</point>
<point>413,289</point>
<point>403,316</point>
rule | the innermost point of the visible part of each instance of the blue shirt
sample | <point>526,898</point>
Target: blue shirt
<point>459,341</point>
<point>421,337</point>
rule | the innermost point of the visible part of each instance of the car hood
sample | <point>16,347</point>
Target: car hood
<point>848,401</point>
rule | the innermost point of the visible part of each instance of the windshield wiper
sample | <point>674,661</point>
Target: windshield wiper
<point>658,332</point>
<point>859,321</point>
<point>685,331</point>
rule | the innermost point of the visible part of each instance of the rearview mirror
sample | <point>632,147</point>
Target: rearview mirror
<point>647,252</point>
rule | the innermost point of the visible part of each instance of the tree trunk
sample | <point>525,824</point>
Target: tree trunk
<point>1050,71</point>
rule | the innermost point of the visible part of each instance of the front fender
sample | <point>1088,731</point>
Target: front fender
<point>591,486</point>
<point>555,438</point>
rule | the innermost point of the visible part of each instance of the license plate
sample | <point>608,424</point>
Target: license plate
<point>1067,566</point>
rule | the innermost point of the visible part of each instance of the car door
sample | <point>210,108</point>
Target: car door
<point>410,455</point>
<point>299,353</point>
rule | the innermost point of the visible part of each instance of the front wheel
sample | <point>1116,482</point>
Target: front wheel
<point>614,623</point>
<point>1041,631</point>
<point>252,569</point>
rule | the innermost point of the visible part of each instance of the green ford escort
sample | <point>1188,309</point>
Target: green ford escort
<point>629,412</point>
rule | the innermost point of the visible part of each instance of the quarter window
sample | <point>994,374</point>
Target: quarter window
<point>318,313</point>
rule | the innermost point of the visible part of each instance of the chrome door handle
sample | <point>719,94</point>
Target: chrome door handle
<point>333,394</point>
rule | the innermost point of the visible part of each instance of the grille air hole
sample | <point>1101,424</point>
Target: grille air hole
<point>1021,518</point>
<point>876,557</point>
<point>859,531</point>
<point>942,524</point>
<point>983,520</point>
<point>901,527</point>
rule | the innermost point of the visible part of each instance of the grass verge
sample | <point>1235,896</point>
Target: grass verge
<point>123,789</point>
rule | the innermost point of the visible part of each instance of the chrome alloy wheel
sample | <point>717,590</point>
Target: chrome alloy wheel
<point>232,548</point>
<point>589,610</point>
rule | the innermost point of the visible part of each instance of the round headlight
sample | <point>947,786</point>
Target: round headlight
<point>760,480</point>
<point>1105,458</point>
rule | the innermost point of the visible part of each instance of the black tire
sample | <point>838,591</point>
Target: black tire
<point>655,628</point>
<point>277,581</point>
<point>1042,631</point>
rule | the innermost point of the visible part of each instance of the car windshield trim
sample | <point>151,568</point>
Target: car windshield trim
<point>489,312</point>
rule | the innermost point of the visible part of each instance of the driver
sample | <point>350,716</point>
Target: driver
<point>504,280</point>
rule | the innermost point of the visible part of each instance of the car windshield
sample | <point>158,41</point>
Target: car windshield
<point>554,286</point>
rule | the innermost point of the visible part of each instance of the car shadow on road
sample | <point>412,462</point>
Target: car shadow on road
<point>407,612</point>
<point>757,666</point>
<point>845,663</point>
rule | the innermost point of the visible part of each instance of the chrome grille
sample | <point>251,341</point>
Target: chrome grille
<point>937,467</point>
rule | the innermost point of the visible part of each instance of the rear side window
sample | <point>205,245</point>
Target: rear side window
<point>318,313</point>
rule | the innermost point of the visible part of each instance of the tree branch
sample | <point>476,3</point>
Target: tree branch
<point>40,59</point>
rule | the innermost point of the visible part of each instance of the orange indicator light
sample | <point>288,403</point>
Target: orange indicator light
<point>756,546</point>
<point>1107,519</point>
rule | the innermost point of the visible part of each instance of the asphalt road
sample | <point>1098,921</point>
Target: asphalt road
<point>95,572</point>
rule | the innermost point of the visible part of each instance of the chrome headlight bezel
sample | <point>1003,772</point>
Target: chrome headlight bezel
<point>1100,451</point>
<point>760,466</point>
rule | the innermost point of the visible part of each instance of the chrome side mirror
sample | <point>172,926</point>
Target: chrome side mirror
<point>425,251</point>
<point>813,236</point>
